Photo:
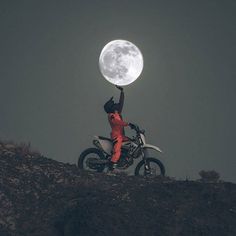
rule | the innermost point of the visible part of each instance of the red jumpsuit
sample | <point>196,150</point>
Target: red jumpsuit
<point>117,126</point>
<point>117,134</point>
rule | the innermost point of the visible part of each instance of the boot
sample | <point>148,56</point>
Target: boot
<point>112,170</point>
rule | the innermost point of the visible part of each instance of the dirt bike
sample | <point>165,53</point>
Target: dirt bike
<point>98,159</point>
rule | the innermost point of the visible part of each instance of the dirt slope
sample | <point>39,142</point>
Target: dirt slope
<point>39,196</point>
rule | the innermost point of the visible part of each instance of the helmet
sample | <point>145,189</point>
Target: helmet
<point>109,106</point>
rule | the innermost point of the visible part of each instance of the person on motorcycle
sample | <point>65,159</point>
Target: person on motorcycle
<point>117,125</point>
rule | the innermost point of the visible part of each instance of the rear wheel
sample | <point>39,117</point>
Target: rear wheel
<point>153,167</point>
<point>87,160</point>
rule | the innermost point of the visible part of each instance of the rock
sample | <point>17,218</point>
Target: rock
<point>9,146</point>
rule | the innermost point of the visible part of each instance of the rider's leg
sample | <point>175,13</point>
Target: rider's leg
<point>117,143</point>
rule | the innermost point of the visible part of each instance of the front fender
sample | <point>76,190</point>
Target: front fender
<point>149,146</point>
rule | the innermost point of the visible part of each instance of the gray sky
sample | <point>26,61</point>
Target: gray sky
<point>52,92</point>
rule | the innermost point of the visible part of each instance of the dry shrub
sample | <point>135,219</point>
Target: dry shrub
<point>25,149</point>
<point>22,149</point>
<point>209,176</point>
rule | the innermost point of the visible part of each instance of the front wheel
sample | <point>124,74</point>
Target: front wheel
<point>153,167</point>
<point>87,159</point>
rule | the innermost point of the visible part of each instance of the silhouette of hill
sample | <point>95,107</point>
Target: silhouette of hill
<point>43,197</point>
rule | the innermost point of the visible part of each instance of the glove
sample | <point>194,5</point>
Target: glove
<point>120,88</point>
<point>132,126</point>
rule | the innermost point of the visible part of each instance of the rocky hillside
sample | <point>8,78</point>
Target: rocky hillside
<point>39,196</point>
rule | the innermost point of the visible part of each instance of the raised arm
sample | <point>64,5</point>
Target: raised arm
<point>121,100</point>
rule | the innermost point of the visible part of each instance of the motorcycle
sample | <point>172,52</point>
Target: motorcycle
<point>98,159</point>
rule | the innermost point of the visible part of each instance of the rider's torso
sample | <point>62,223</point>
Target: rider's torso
<point>117,129</point>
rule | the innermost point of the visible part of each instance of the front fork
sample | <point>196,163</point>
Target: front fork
<point>147,169</point>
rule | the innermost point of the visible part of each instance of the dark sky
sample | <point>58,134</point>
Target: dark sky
<point>52,92</point>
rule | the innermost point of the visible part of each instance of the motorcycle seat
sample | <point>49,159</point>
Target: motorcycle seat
<point>104,138</point>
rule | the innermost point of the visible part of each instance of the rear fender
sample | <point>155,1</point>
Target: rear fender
<point>105,146</point>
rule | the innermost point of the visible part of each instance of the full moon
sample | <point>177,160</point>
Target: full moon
<point>121,62</point>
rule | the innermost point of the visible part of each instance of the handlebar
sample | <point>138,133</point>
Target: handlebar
<point>136,128</point>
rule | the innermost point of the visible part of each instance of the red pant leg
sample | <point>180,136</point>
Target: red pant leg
<point>117,149</point>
